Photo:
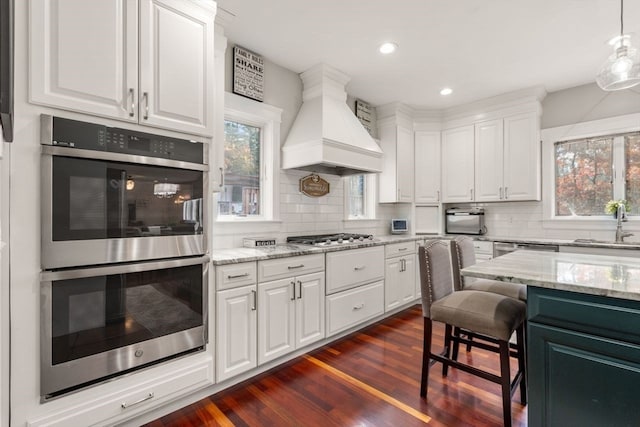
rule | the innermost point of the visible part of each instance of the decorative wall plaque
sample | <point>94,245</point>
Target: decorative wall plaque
<point>248,74</point>
<point>314,186</point>
<point>364,113</point>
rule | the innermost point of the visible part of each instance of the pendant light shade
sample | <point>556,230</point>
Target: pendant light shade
<point>621,70</point>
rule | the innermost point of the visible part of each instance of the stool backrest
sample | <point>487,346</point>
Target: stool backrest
<point>436,279</point>
<point>462,255</point>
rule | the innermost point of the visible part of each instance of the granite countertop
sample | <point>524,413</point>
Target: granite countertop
<point>617,277</point>
<point>283,250</point>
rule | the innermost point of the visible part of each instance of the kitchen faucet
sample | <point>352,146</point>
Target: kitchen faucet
<point>622,216</point>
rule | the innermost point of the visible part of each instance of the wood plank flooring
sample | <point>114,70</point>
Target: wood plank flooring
<point>370,378</point>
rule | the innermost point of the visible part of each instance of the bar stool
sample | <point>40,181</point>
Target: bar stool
<point>486,314</point>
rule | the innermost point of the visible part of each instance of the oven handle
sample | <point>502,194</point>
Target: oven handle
<point>119,157</point>
<point>47,276</point>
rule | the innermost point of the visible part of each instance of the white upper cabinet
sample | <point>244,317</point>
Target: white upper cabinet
<point>488,161</point>
<point>84,56</point>
<point>396,178</point>
<point>522,175</point>
<point>146,61</point>
<point>458,164</point>
<point>427,167</point>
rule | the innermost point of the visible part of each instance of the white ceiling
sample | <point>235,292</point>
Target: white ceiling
<point>480,48</point>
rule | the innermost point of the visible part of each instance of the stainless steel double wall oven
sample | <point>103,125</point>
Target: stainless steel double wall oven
<point>124,281</point>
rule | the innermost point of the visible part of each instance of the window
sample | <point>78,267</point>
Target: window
<point>251,160</point>
<point>359,190</point>
<point>591,171</point>
<point>242,164</point>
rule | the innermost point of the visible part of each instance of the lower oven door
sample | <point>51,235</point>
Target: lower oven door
<point>100,322</point>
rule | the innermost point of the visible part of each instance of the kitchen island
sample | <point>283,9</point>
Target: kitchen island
<point>583,329</point>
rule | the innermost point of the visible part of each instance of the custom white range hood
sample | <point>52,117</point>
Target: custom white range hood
<point>326,136</point>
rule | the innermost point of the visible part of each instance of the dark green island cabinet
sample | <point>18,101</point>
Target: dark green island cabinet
<point>583,359</point>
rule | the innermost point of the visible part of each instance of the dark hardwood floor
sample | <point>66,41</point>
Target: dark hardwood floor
<point>370,378</point>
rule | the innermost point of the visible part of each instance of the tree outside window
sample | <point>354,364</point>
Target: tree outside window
<point>591,171</point>
<point>241,191</point>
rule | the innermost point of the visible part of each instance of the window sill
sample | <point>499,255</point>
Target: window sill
<point>240,219</point>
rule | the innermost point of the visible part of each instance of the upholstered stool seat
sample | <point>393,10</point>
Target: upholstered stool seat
<point>482,312</point>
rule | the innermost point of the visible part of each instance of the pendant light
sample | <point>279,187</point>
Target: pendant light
<point>622,69</point>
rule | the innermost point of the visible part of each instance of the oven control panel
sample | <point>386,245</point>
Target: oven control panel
<point>91,136</point>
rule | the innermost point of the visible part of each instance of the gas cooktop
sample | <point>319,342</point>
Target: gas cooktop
<point>331,239</point>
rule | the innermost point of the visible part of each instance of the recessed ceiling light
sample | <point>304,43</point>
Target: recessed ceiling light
<point>446,91</point>
<point>388,47</point>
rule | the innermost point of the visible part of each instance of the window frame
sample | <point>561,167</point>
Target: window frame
<point>268,118</point>
<point>369,196</point>
<point>597,128</point>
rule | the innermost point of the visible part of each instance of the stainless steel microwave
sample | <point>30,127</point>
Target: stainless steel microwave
<point>465,221</point>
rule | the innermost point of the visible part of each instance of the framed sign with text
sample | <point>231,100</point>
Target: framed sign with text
<point>248,74</point>
<point>364,113</point>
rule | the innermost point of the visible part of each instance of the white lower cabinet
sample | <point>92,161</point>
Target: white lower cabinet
<point>290,316</point>
<point>350,308</point>
<point>483,250</point>
<point>400,278</point>
<point>236,326</point>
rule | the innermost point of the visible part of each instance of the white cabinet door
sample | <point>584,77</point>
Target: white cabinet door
<point>395,183</point>
<point>309,309</point>
<point>522,157</point>
<point>236,331</point>
<point>427,167</point>
<point>176,66</point>
<point>392,283</point>
<point>399,286</point>
<point>457,164</point>
<point>404,165</point>
<point>488,161</point>
<point>84,56</point>
<point>408,279</point>
<point>276,319</point>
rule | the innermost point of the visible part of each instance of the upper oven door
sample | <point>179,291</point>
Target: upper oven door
<point>100,207</point>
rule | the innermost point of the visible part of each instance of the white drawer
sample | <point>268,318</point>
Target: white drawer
<point>396,249</point>
<point>236,275</point>
<point>483,247</point>
<point>280,268</point>
<point>108,410</point>
<point>350,308</point>
<point>350,268</point>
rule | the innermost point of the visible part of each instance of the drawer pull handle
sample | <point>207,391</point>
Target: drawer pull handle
<point>292,267</point>
<point>126,405</point>
<point>237,276</point>
<point>402,249</point>
<point>255,300</point>
<point>145,96</point>
<point>358,307</point>
<point>362,267</point>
